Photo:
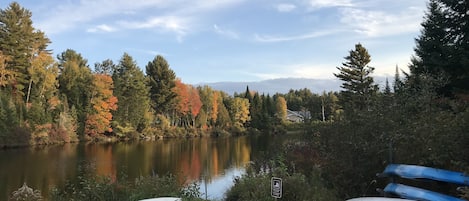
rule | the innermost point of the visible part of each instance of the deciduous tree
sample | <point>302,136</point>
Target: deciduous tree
<point>74,83</point>
<point>103,102</point>
<point>281,106</point>
<point>240,111</point>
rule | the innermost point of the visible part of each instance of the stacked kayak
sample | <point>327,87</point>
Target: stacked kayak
<point>422,173</point>
<point>414,193</point>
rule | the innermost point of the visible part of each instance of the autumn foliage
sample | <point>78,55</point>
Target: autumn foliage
<point>103,101</point>
<point>188,101</point>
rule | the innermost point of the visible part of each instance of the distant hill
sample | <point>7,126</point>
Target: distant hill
<point>283,85</point>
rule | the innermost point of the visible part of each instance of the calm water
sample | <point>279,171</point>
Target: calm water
<point>213,162</point>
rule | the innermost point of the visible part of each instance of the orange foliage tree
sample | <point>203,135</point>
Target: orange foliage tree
<point>195,104</point>
<point>102,101</point>
<point>182,106</point>
<point>188,101</point>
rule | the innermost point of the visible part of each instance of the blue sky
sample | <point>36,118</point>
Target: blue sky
<point>234,40</point>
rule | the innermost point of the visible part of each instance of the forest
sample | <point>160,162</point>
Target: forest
<point>420,117</point>
<point>45,100</point>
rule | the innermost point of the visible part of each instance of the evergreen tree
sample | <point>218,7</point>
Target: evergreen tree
<point>257,120</point>
<point>247,94</point>
<point>161,81</point>
<point>132,95</point>
<point>357,83</point>
<point>442,49</point>
<point>398,84</point>
<point>21,43</point>
<point>387,88</point>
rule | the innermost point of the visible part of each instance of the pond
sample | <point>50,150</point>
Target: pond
<point>212,162</point>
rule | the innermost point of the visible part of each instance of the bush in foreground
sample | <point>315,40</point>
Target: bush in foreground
<point>255,184</point>
<point>105,188</point>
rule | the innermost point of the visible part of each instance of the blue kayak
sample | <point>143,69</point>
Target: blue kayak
<point>421,172</point>
<point>413,193</point>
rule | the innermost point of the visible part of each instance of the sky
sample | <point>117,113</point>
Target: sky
<point>234,40</point>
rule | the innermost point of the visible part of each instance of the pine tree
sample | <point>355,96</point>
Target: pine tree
<point>357,83</point>
<point>161,81</point>
<point>132,95</point>
<point>442,49</point>
<point>398,84</point>
<point>431,47</point>
<point>21,43</point>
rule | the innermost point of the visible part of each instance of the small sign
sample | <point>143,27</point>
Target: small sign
<point>276,187</point>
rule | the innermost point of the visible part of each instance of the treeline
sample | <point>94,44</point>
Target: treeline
<point>45,100</point>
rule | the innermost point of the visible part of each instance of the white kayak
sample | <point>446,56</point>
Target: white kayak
<point>163,199</point>
<point>376,199</point>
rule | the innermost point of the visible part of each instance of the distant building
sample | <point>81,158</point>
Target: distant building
<point>298,116</point>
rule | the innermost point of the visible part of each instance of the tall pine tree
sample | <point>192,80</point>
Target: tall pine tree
<point>21,43</point>
<point>442,49</point>
<point>132,94</point>
<point>358,84</point>
<point>161,80</point>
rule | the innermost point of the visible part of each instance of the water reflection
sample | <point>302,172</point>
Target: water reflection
<point>214,161</point>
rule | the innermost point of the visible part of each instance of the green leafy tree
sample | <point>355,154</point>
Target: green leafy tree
<point>208,98</point>
<point>105,67</point>
<point>161,81</point>
<point>357,83</point>
<point>132,94</point>
<point>75,80</point>
<point>223,118</point>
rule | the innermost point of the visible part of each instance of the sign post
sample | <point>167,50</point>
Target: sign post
<point>276,187</point>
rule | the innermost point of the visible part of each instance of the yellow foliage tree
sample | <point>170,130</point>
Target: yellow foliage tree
<point>240,111</point>
<point>281,107</point>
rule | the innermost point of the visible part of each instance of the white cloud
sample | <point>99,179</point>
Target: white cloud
<point>175,24</point>
<point>298,70</point>
<point>330,3</point>
<point>285,7</point>
<point>270,38</point>
<point>101,28</point>
<point>381,23</point>
<point>146,51</point>
<point>225,33</point>
<point>73,14</point>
